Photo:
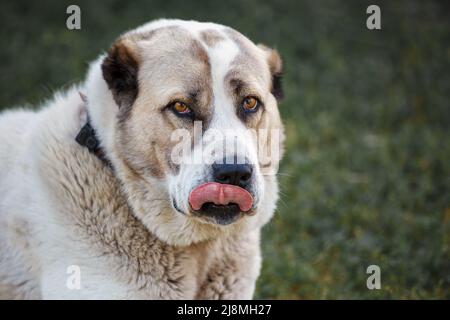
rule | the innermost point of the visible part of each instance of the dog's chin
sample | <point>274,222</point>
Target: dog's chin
<point>219,214</point>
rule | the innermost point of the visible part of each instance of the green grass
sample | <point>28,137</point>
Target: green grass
<point>366,177</point>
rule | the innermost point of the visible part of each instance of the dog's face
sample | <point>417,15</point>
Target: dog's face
<point>194,107</point>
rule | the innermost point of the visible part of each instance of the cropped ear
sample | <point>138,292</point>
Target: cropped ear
<point>276,69</point>
<point>120,71</point>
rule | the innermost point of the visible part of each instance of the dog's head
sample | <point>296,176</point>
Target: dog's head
<point>185,112</point>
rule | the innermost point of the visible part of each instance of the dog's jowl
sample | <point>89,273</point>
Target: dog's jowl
<point>92,180</point>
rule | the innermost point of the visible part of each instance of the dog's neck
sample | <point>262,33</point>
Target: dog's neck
<point>88,138</point>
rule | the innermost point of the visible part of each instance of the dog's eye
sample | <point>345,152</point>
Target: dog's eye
<point>181,108</point>
<point>250,104</point>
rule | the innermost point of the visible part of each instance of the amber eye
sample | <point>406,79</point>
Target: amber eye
<point>250,104</point>
<point>181,108</point>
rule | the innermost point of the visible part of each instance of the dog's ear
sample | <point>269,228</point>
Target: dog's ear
<point>120,71</point>
<point>276,69</point>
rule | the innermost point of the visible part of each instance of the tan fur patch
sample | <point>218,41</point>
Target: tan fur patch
<point>249,59</point>
<point>144,130</point>
<point>211,37</point>
<point>274,59</point>
<point>248,56</point>
<point>243,81</point>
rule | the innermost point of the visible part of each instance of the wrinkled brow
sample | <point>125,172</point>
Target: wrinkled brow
<point>240,87</point>
<point>237,85</point>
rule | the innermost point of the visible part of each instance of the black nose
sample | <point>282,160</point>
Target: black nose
<point>236,174</point>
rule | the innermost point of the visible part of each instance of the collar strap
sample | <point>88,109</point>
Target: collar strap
<point>87,138</point>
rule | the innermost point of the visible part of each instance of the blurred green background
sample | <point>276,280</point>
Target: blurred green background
<point>366,177</point>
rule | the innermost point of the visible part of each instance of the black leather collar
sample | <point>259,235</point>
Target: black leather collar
<point>87,138</point>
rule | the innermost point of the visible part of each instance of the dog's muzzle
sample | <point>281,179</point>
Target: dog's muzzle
<point>227,198</point>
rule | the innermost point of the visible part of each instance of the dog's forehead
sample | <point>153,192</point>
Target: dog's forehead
<point>180,46</point>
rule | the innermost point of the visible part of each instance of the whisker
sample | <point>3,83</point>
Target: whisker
<point>284,174</point>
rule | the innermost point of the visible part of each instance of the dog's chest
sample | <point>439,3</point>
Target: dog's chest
<point>173,273</point>
<point>96,231</point>
<point>104,269</point>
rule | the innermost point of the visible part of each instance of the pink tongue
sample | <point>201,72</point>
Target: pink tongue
<point>221,194</point>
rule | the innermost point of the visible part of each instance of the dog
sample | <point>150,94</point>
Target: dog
<point>93,204</point>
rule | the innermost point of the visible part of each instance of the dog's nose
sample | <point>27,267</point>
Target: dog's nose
<point>235,174</point>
